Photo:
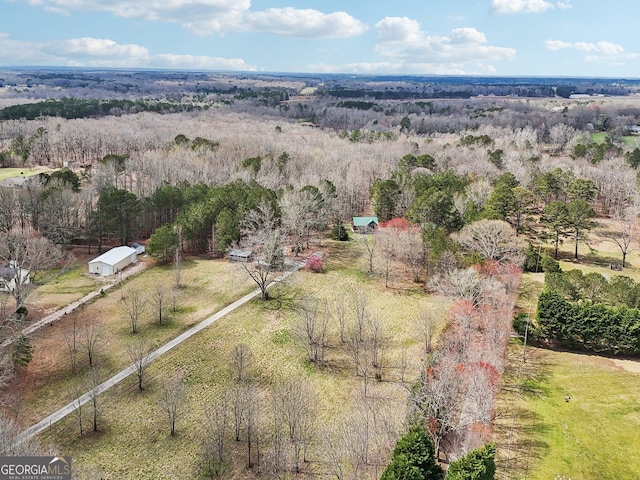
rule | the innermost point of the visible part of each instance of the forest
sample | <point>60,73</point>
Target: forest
<point>473,182</point>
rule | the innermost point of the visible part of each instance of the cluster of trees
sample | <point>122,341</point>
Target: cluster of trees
<point>414,459</point>
<point>70,108</point>
<point>590,312</point>
<point>456,392</point>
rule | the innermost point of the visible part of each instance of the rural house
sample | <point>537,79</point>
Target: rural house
<point>113,261</point>
<point>9,274</point>
<point>364,224</point>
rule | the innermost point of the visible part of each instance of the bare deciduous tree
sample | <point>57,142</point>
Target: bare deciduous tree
<point>177,256</point>
<point>241,357</point>
<point>71,340</point>
<point>34,259</point>
<point>135,305</point>
<point>427,324</point>
<point>91,337</point>
<point>627,230</point>
<point>171,400</point>
<point>159,296</point>
<point>93,382</point>
<point>138,353</point>
<point>493,240</point>
<point>215,457</point>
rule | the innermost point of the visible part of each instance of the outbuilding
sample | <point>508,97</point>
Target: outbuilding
<point>140,248</point>
<point>364,224</point>
<point>12,275</point>
<point>113,261</point>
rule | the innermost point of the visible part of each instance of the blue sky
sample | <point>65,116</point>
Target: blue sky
<point>479,37</point>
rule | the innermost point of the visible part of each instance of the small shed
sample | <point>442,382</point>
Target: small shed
<point>240,255</point>
<point>139,248</point>
<point>364,224</point>
<point>10,275</point>
<point>113,261</point>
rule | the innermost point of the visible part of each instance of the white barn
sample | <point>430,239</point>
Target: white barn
<point>113,261</point>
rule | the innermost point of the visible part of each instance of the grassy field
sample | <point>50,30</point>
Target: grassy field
<point>48,383</point>
<point>11,172</point>
<point>134,442</point>
<point>631,141</point>
<point>593,435</point>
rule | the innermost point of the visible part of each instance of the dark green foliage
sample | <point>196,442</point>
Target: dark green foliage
<point>413,458</point>
<point>595,152</point>
<point>181,139</point>
<point>564,91</point>
<point>385,195</point>
<point>520,322</point>
<point>549,264</point>
<point>533,257</point>
<point>478,464</point>
<point>162,243</point>
<point>22,353</point>
<point>252,164</point>
<point>483,140</point>
<point>203,144</point>
<point>409,162</point>
<point>495,157</point>
<point>116,214</point>
<point>339,231</point>
<point>633,158</point>
<point>70,108</point>
<point>538,260</point>
<point>65,176</point>
<point>580,311</point>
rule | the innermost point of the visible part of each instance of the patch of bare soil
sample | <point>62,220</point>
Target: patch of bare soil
<point>632,366</point>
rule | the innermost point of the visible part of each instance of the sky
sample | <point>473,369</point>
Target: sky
<point>581,38</point>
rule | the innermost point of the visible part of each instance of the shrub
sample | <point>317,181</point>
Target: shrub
<point>478,464</point>
<point>413,458</point>
<point>314,263</point>
<point>339,232</point>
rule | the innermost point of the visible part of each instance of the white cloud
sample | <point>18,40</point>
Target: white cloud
<point>564,5</point>
<point>98,52</point>
<point>606,48</point>
<point>403,38</point>
<point>507,7</point>
<point>403,68</point>
<point>557,44</point>
<point>304,23</point>
<point>196,62</point>
<point>205,17</point>
<point>199,16</point>
<point>605,52</point>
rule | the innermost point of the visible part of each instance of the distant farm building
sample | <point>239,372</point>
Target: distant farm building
<point>10,275</point>
<point>139,248</point>
<point>113,261</point>
<point>364,224</point>
<point>240,255</point>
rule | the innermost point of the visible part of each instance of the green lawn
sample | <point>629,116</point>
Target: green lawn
<point>10,172</point>
<point>133,441</point>
<point>594,435</point>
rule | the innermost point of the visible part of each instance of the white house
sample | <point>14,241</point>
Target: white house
<point>113,261</point>
<point>8,276</point>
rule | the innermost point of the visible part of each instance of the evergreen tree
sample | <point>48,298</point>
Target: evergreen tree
<point>478,464</point>
<point>413,458</point>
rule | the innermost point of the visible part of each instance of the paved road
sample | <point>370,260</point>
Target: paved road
<point>70,407</point>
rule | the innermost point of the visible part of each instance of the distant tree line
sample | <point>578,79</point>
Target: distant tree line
<point>70,108</point>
